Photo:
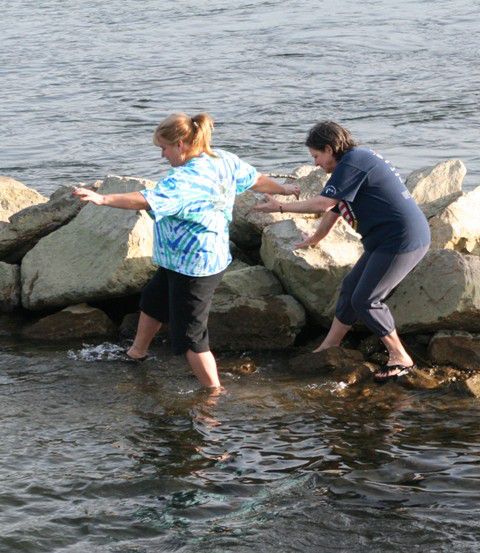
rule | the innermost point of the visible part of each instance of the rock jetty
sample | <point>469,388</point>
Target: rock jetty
<point>71,271</point>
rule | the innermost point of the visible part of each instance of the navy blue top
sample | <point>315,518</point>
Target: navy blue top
<point>374,200</point>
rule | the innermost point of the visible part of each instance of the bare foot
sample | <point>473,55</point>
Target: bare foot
<point>323,346</point>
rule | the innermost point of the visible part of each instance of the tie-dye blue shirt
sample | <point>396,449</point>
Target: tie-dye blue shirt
<point>192,209</point>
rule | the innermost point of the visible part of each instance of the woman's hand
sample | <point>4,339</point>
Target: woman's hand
<point>269,206</point>
<point>292,189</point>
<point>307,241</point>
<point>87,195</point>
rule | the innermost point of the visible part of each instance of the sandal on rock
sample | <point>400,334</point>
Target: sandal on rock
<point>391,372</point>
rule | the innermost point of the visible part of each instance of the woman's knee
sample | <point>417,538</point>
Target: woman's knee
<point>360,303</point>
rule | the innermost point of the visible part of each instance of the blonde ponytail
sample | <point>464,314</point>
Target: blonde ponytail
<point>194,131</point>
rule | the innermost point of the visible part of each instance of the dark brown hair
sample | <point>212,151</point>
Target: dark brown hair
<point>331,134</point>
<point>195,131</point>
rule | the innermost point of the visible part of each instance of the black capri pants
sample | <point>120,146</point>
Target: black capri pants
<point>184,303</point>
<point>367,285</point>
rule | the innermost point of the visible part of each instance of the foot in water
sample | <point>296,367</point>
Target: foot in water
<point>132,354</point>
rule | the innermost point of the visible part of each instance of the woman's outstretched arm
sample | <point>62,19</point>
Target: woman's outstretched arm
<point>128,200</point>
<point>268,185</point>
<point>317,204</point>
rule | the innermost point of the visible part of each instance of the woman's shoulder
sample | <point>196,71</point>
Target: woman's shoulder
<point>360,157</point>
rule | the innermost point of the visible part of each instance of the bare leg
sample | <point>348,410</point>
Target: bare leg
<point>396,352</point>
<point>204,367</point>
<point>146,330</point>
<point>335,335</point>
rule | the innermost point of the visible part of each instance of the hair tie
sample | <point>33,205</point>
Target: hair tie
<point>195,124</point>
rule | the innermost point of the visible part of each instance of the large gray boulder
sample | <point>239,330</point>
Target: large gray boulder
<point>250,311</point>
<point>441,293</point>
<point>247,225</point>
<point>75,322</point>
<point>26,227</point>
<point>312,275</point>
<point>457,227</point>
<point>102,253</point>
<point>435,187</point>
<point>15,196</point>
<point>9,286</point>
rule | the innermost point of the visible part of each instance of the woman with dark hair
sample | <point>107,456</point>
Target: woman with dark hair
<point>191,207</point>
<point>369,194</point>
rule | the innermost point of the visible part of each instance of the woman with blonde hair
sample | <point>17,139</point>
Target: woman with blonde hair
<point>191,208</point>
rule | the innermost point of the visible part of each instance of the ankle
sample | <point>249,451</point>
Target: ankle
<point>134,351</point>
<point>399,359</point>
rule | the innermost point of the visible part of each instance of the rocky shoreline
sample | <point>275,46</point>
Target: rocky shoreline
<point>74,271</point>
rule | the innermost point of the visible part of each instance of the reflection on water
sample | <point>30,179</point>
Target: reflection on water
<point>110,456</point>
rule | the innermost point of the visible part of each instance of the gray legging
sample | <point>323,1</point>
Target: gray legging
<point>367,285</point>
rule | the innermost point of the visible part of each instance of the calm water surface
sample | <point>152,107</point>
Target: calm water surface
<point>85,83</point>
<point>114,457</point>
<point>110,457</point>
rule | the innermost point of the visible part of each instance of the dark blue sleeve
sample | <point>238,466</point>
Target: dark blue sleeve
<point>344,182</point>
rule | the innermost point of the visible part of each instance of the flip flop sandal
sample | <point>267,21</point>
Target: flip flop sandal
<point>382,375</point>
<point>128,359</point>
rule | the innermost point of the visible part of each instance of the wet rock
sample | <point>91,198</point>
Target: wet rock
<point>470,386</point>
<point>461,349</point>
<point>351,376</point>
<point>15,196</point>
<point>423,339</point>
<point>435,187</point>
<point>441,293</point>
<point>246,323</point>
<point>10,324</point>
<point>327,360</point>
<point>128,328</point>
<point>9,287</point>
<point>370,345</point>
<point>311,275</point>
<point>250,311</point>
<point>74,322</point>
<point>27,226</point>
<point>418,379</point>
<point>102,253</point>
<point>242,367</point>
<point>247,225</point>
<point>457,227</point>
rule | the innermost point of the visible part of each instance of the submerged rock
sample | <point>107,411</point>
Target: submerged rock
<point>74,322</point>
<point>470,386</point>
<point>102,253</point>
<point>419,379</point>
<point>327,360</point>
